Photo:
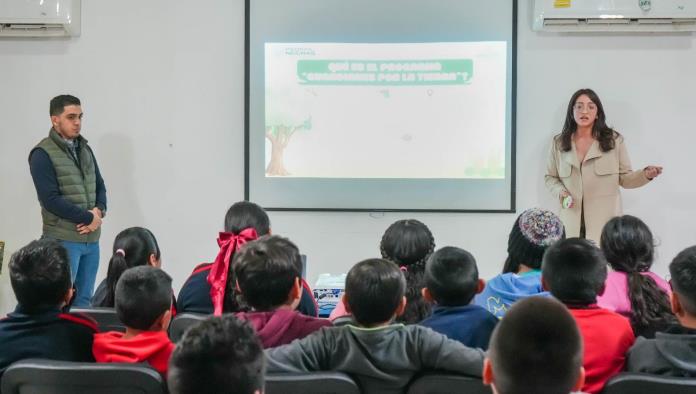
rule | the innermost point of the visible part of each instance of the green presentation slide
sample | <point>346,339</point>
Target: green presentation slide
<point>386,110</point>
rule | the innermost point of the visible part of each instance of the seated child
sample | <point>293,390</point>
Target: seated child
<point>220,355</point>
<point>408,243</point>
<point>451,281</point>
<point>132,247</point>
<point>268,273</point>
<point>40,277</point>
<point>383,357</point>
<point>533,231</point>
<point>574,271</point>
<point>673,351</point>
<point>631,289</point>
<point>143,304</point>
<point>211,288</point>
<point>537,349</point>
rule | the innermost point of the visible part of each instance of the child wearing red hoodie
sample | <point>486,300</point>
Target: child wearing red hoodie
<point>268,273</point>
<point>574,271</point>
<point>143,304</point>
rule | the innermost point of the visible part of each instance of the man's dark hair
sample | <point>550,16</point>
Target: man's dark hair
<point>574,269</point>
<point>266,270</point>
<point>374,290</point>
<point>451,276</point>
<point>218,355</point>
<point>59,103</point>
<point>143,294</point>
<point>40,274</point>
<point>536,348</point>
<point>683,272</point>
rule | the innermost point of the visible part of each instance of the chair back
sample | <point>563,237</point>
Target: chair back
<point>442,383</point>
<point>625,383</point>
<point>311,383</point>
<point>36,376</point>
<point>183,322</point>
<point>106,318</point>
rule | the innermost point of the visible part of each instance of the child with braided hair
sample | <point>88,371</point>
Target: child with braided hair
<point>408,243</point>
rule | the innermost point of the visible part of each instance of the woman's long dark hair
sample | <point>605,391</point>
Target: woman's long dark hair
<point>409,243</point>
<point>137,244</point>
<point>604,134</point>
<point>628,245</point>
<point>240,216</point>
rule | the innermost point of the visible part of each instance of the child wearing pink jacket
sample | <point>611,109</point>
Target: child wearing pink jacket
<point>632,290</point>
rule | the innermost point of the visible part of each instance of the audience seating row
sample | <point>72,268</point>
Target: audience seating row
<point>63,377</point>
<point>108,321</point>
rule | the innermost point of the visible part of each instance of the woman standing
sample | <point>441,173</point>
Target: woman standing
<point>587,164</point>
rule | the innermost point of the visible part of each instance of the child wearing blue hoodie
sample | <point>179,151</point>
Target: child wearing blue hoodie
<point>533,232</point>
<point>451,281</point>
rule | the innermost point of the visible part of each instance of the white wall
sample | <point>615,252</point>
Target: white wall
<point>162,88</point>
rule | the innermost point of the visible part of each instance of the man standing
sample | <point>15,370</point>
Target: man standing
<point>71,192</point>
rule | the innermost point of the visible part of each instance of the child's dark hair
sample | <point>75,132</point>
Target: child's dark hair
<point>536,348</point>
<point>574,269</point>
<point>531,234</point>
<point>40,274</point>
<point>683,273</point>
<point>266,270</point>
<point>628,246</point>
<point>451,276</point>
<point>240,216</point>
<point>245,214</point>
<point>132,247</point>
<point>58,104</point>
<point>374,290</point>
<point>409,243</point>
<point>218,355</point>
<point>143,294</point>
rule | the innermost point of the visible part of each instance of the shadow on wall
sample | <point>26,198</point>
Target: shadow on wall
<point>116,158</point>
<point>7,298</point>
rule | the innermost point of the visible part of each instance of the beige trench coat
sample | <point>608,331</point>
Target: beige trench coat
<point>593,185</point>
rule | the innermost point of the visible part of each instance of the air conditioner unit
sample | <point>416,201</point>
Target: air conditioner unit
<point>40,18</point>
<point>615,15</point>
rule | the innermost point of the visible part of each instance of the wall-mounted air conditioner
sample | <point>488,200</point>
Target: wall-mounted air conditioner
<point>615,15</point>
<point>40,18</point>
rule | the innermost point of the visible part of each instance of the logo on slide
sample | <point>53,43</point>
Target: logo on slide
<point>294,51</point>
<point>645,5</point>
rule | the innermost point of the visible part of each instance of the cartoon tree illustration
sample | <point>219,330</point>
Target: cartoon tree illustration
<point>279,135</point>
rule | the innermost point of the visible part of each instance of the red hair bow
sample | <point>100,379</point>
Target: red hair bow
<point>229,243</point>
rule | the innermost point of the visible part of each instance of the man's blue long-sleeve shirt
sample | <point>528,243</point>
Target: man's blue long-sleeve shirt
<point>48,191</point>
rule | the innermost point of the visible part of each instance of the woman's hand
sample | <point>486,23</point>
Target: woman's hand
<point>651,172</point>
<point>565,195</point>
